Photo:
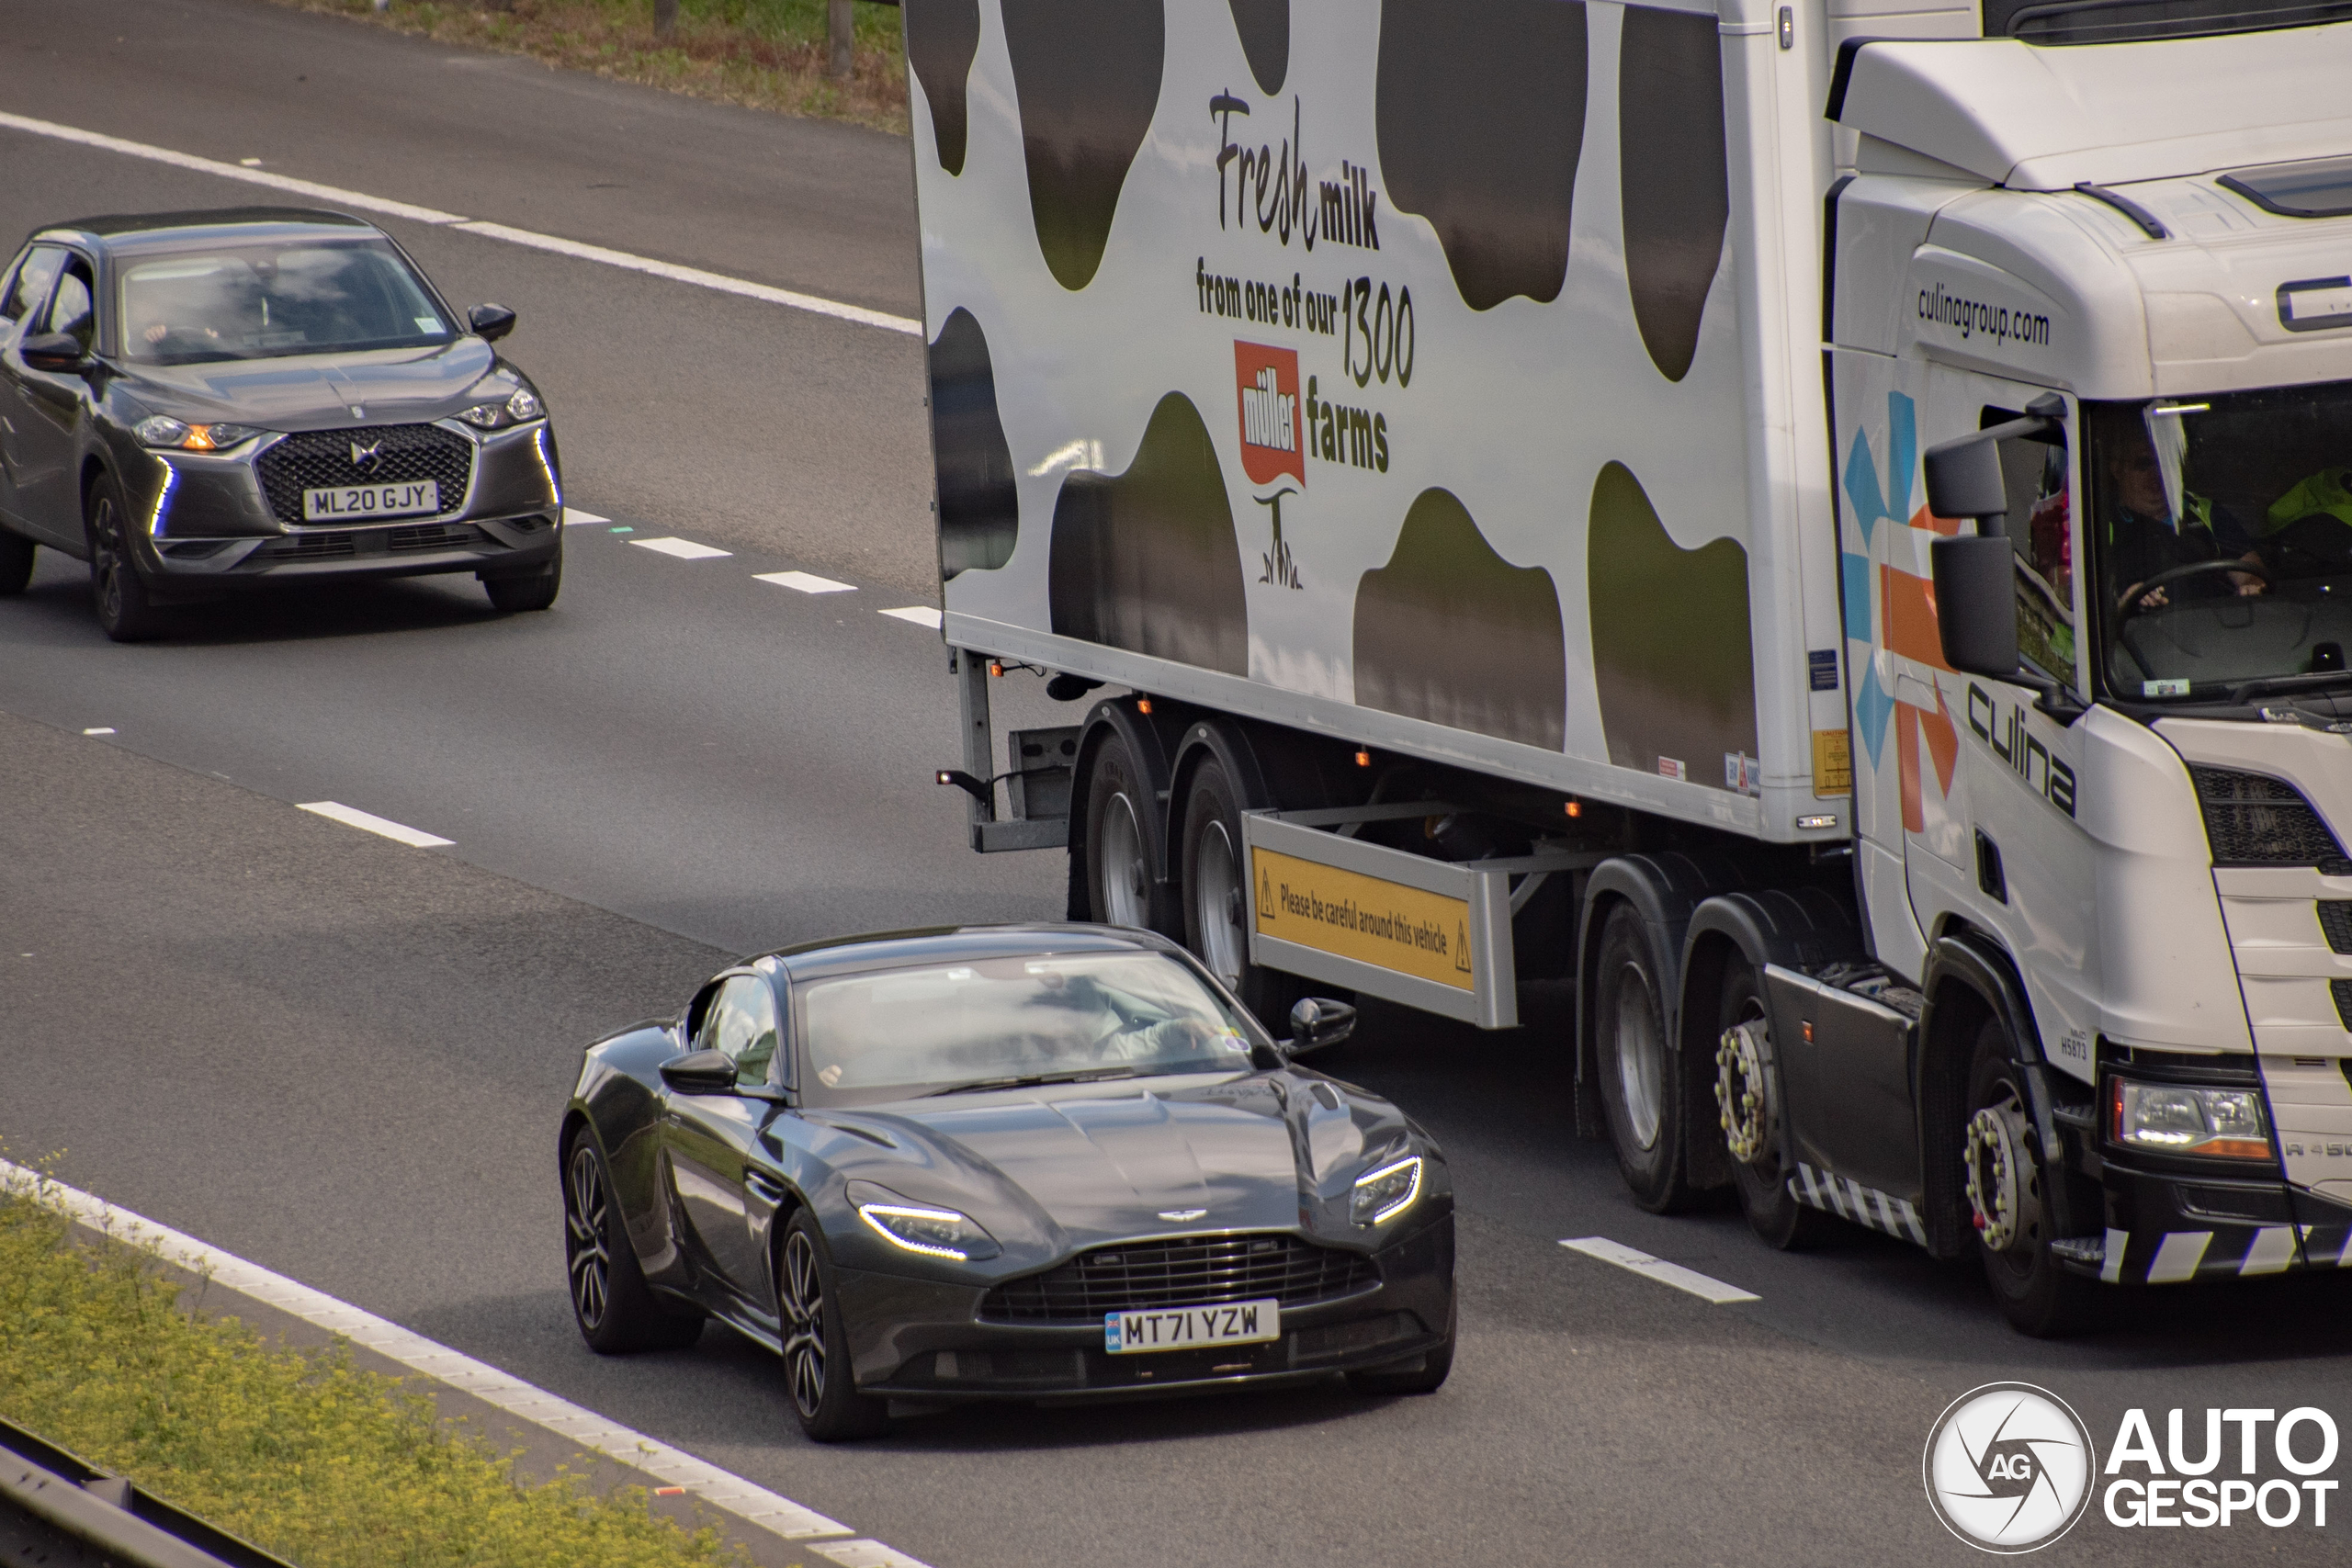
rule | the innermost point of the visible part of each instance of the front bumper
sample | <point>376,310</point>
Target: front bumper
<point>2165,1227</point>
<point>923,1339</point>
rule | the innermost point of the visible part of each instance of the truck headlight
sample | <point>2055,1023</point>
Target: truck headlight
<point>923,1228</point>
<point>1385,1193</point>
<point>2188,1118</point>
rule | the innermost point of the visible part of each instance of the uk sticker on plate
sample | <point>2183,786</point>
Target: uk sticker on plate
<point>1187,1328</point>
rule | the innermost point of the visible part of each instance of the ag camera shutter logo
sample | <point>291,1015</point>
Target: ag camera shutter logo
<point>2008,1467</point>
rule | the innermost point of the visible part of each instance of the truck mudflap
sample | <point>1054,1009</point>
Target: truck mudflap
<point>2173,1229</point>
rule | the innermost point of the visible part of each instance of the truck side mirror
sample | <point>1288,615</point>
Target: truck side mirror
<point>1976,602</point>
<point>1965,481</point>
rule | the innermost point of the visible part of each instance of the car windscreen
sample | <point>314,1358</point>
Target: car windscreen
<point>257,302</point>
<point>895,1033</point>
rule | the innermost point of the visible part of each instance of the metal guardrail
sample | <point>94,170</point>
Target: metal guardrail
<point>56,1504</point>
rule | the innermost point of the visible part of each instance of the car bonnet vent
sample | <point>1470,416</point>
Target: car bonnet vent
<point>2255,820</point>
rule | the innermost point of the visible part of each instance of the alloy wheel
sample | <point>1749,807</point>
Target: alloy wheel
<point>583,1235</point>
<point>105,545</point>
<point>804,1325</point>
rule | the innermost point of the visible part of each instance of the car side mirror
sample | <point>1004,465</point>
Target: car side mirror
<point>700,1072</point>
<point>490,322</point>
<point>1317,1022</point>
<point>56,353</point>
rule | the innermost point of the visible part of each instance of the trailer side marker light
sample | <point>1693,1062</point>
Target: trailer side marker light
<point>1363,759</point>
<point>996,667</point>
<point>1143,704</point>
<point>1828,820</point>
<point>1576,808</point>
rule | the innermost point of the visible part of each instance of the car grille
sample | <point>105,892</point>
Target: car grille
<point>310,546</point>
<point>320,459</point>
<point>1147,1276</point>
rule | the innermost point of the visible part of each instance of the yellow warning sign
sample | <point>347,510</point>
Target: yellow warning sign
<point>1833,763</point>
<point>1367,918</point>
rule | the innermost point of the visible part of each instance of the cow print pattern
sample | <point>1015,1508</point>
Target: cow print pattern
<point>1673,176</point>
<point>943,36</point>
<point>1450,632</point>
<point>979,507</point>
<point>1480,115</point>
<point>1264,27</point>
<point>1087,74</point>
<point>1147,561</point>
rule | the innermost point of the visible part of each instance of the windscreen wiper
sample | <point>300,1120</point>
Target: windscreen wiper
<point>1031,1080</point>
<point>2273,686</point>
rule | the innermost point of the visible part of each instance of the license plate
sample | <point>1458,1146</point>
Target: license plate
<point>1189,1328</point>
<point>345,502</point>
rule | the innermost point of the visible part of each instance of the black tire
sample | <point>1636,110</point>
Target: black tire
<point>1120,887</point>
<point>816,1344</point>
<point>1762,1178</point>
<point>1641,1091</point>
<point>2038,1296</point>
<point>615,1309</point>
<point>15,563</point>
<point>118,592</point>
<point>1216,909</point>
<point>1424,1374</point>
<point>537,592</point>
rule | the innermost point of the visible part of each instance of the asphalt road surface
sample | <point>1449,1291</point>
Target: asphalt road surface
<point>342,1057</point>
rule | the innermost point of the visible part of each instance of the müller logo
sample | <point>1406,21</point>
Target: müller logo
<point>1267,382</point>
<point>2008,1467</point>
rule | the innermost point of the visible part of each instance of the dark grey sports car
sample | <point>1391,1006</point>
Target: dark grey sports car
<point>1002,1162</point>
<point>195,402</point>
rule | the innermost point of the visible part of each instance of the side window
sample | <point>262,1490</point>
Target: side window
<point>30,285</point>
<point>2039,530</point>
<point>70,310</point>
<point>741,1022</point>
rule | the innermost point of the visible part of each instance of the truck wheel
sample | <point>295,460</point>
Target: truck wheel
<point>15,563</point>
<point>1120,887</point>
<point>1217,904</point>
<point>1751,1108</point>
<point>1639,1094</point>
<point>2006,1178</point>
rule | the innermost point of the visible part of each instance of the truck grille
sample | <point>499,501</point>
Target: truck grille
<point>2255,820</point>
<point>1147,1276</point>
<point>320,459</point>
<point>2336,920</point>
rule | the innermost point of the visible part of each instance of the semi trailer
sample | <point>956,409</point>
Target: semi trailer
<point>1826,526</point>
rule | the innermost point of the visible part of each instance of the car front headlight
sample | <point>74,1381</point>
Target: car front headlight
<point>2188,1119</point>
<point>925,1229</point>
<point>520,407</point>
<point>162,429</point>
<point>1383,1193</point>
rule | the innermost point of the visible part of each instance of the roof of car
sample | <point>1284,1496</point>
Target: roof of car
<point>123,230</point>
<point>883,950</point>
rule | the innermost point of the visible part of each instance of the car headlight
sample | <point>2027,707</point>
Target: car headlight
<point>2188,1119</point>
<point>520,407</point>
<point>1383,1193</point>
<point>923,1228</point>
<point>162,429</point>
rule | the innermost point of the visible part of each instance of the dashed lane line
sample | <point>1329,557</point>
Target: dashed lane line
<point>806,583</point>
<point>696,276</point>
<point>351,817</point>
<point>755,1505</point>
<point>1665,1273</point>
<point>684,549</point>
<point>575,518</point>
<point>102,729</point>
<point>918,615</point>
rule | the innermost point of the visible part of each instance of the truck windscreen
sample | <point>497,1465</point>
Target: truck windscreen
<point>2219,531</point>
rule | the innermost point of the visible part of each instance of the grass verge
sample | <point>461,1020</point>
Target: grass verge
<point>765,54</point>
<point>295,1450</point>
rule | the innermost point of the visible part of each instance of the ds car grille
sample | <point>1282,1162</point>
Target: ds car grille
<point>1195,1271</point>
<point>320,459</point>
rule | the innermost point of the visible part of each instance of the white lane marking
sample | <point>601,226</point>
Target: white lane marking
<point>806,583</point>
<point>921,615</point>
<point>1665,1273</point>
<point>684,549</point>
<point>573,517</point>
<point>756,1504</point>
<point>351,817</point>
<point>249,163</point>
<point>863,1554</point>
<point>102,729</point>
<point>719,282</point>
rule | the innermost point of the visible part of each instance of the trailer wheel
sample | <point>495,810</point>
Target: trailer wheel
<point>1751,1109</point>
<point>1216,901</point>
<point>2005,1176</point>
<point>1121,890</point>
<point>1640,1092</point>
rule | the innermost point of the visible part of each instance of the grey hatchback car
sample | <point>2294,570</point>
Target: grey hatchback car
<point>196,402</point>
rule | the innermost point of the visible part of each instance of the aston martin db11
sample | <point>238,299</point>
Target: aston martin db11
<point>1032,1162</point>
<point>196,402</point>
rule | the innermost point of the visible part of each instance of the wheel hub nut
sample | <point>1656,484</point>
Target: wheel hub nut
<point>2001,1188</point>
<point>1742,1102</point>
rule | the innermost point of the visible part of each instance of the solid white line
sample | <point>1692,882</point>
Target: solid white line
<point>863,1554</point>
<point>573,517</point>
<point>718,282</point>
<point>805,582</point>
<point>1665,1273</point>
<point>104,729</point>
<point>350,816</point>
<point>921,615</point>
<point>684,549</point>
<point>755,1505</point>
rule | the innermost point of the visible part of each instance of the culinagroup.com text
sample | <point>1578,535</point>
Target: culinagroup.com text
<point>2176,1486</point>
<point>1970,316</point>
